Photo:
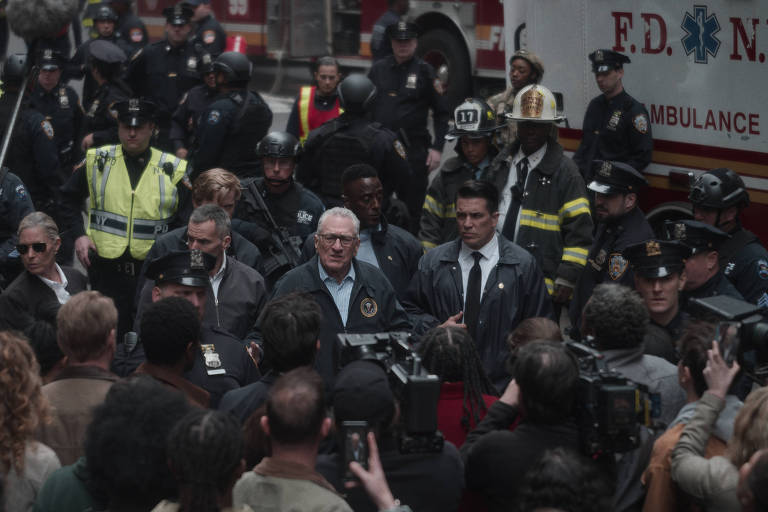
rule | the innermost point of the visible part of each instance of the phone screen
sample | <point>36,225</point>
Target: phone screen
<point>728,340</point>
<point>353,434</point>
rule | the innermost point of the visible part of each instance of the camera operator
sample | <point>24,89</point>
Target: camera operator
<point>426,481</point>
<point>662,494</point>
<point>659,267</point>
<point>544,392</point>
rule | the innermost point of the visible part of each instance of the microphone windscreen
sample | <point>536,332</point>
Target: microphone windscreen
<point>33,19</point>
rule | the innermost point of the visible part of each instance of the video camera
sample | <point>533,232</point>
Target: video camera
<point>416,390</point>
<point>610,408</point>
<point>742,332</point>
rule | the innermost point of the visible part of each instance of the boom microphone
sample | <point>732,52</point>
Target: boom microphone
<point>34,19</point>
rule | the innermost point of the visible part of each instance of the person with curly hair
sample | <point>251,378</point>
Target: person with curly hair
<point>24,463</point>
<point>466,393</point>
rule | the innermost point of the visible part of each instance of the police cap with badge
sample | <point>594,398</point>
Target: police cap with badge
<point>615,178</point>
<point>106,51</point>
<point>607,60</point>
<point>189,268</point>
<point>656,258</point>
<point>50,60</point>
<point>135,111</point>
<point>698,236</point>
<point>179,14</point>
<point>403,30</point>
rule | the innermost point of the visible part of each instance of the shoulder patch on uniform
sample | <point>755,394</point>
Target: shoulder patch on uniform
<point>136,35</point>
<point>762,269</point>
<point>304,217</point>
<point>209,36</point>
<point>640,122</point>
<point>617,266</point>
<point>21,192</point>
<point>47,128</point>
<point>214,116</point>
<point>400,149</point>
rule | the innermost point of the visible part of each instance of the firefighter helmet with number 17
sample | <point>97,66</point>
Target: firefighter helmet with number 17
<point>473,118</point>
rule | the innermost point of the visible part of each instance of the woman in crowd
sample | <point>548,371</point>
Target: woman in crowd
<point>24,463</point>
<point>39,291</point>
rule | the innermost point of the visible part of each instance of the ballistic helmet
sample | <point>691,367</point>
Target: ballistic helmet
<point>718,189</point>
<point>236,67</point>
<point>356,92</point>
<point>105,13</point>
<point>14,69</point>
<point>278,145</point>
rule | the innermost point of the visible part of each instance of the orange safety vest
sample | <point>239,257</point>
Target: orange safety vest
<point>310,117</point>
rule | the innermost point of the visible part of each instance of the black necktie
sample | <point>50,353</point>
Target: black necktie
<point>472,302</point>
<point>508,230</point>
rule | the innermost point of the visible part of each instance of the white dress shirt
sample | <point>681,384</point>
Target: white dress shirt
<point>505,201</point>
<point>490,252</point>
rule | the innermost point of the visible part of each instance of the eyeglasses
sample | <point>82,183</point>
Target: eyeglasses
<point>329,239</point>
<point>37,247</point>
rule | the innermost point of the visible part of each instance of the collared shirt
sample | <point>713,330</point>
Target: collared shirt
<point>365,251</point>
<point>490,252</point>
<point>216,279</point>
<point>479,169</point>
<point>534,159</point>
<point>60,289</point>
<point>341,293</point>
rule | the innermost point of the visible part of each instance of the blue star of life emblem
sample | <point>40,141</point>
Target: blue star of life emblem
<point>700,34</point>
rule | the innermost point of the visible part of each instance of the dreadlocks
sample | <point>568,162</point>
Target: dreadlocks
<point>450,353</point>
<point>204,450</point>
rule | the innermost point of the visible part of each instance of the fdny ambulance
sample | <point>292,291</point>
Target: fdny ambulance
<point>699,66</point>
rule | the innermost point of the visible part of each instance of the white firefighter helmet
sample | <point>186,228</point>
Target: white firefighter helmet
<point>535,103</point>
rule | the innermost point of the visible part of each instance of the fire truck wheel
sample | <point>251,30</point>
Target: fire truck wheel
<point>448,56</point>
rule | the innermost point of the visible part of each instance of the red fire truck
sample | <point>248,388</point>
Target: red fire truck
<point>461,39</point>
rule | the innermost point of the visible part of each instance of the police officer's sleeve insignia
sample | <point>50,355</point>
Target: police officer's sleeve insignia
<point>762,269</point>
<point>368,307</point>
<point>21,192</point>
<point>136,35</point>
<point>214,116</point>
<point>617,266</point>
<point>400,149</point>
<point>209,36</point>
<point>640,122</point>
<point>47,128</point>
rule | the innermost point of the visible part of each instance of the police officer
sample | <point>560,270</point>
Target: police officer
<point>15,204</point>
<point>703,275</point>
<point>32,153</point>
<point>60,105</point>
<point>659,267</point>
<point>292,206</point>
<point>163,71</point>
<point>223,362</point>
<point>135,191</point>
<point>621,223</point>
<point>408,89</point>
<point>105,25</point>
<point>235,119</point>
<point>131,30</point>
<point>191,107</point>
<point>105,63</point>
<point>316,104</point>
<point>351,139</point>
<point>380,46</point>
<point>474,127</point>
<point>616,125</point>
<point>208,33</point>
<point>718,197</point>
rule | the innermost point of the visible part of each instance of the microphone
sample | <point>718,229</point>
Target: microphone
<point>35,19</point>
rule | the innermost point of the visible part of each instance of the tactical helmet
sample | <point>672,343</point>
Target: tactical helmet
<point>236,67</point>
<point>535,103</point>
<point>356,92</point>
<point>278,145</point>
<point>718,189</point>
<point>105,13</point>
<point>473,118</point>
<point>14,69</point>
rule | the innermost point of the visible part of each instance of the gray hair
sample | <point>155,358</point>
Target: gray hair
<point>215,213</point>
<point>41,220</point>
<point>338,211</point>
<point>616,316</point>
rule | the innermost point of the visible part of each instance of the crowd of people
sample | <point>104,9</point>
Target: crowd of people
<point>196,365</point>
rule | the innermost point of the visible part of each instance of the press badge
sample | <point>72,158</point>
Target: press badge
<point>410,83</point>
<point>212,360</point>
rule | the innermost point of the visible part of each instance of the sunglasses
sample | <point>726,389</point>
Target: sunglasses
<point>37,247</point>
